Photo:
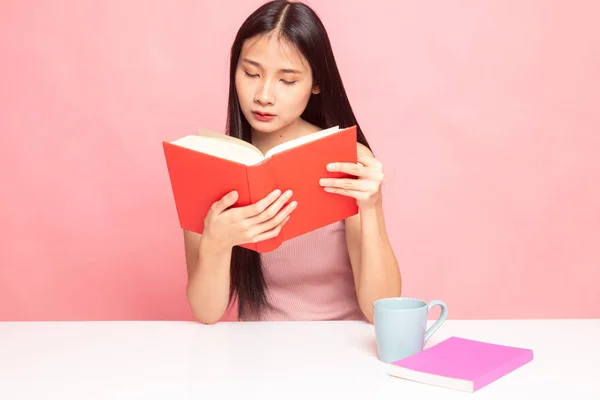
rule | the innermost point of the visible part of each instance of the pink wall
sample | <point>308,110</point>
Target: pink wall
<point>485,117</point>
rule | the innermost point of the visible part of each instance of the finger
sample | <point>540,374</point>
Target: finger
<point>350,184</point>
<point>348,168</point>
<point>272,210</point>
<point>225,202</point>
<point>358,195</point>
<point>271,223</point>
<point>258,207</point>
<point>357,170</point>
<point>271,233</point>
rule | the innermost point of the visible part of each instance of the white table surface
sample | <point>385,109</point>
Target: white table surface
<point>270,360</point>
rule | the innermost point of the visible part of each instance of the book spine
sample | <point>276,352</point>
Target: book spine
<point>261,182</point>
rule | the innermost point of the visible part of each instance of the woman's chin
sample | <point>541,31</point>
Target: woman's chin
<point>266,127</point>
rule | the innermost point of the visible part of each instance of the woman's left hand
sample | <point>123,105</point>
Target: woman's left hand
<point>366,189</point>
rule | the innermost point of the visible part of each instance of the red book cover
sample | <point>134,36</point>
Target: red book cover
<point>203,171</point>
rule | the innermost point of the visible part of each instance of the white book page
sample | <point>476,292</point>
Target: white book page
<point>222,147</point>
<point>301,140</point>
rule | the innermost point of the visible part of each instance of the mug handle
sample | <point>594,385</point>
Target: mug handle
<point>440,320</point>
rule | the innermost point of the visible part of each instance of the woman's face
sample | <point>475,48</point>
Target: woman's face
<point>274,83</point>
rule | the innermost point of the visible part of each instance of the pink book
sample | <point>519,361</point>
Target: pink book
<point>462,364</point>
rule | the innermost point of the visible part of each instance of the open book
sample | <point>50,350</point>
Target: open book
<point>238,150</point>
<point>203,168</point>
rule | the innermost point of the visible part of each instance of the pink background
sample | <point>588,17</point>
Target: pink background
<point>485,115</point>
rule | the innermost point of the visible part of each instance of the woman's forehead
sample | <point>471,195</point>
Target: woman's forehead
<point>273,53</point>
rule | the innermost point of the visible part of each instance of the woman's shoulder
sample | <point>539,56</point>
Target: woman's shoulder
<point>364,150</point>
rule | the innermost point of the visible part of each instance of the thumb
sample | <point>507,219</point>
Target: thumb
<point>225,202</point>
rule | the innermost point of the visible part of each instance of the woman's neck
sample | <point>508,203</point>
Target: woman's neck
<point>265,141</point>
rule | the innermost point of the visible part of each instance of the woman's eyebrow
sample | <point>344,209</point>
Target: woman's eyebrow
<point>284,70</point>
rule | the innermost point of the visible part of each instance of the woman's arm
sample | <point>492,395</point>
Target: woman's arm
<point>376,271</point>
<point>374,265</point>
<point>208,277</point>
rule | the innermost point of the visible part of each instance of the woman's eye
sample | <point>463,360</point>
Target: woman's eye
<point>256,75</point>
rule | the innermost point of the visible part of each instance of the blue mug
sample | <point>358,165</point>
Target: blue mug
<point>401,326</point>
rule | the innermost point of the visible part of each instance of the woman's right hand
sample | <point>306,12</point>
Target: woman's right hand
<point>227,227</point>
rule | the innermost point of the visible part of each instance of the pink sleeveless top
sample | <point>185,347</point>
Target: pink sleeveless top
<point>310,278</point>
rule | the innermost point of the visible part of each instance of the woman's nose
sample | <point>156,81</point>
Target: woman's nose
<point>265,95</point>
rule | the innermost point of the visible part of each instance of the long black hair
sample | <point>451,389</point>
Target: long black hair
<point>297,24</point>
